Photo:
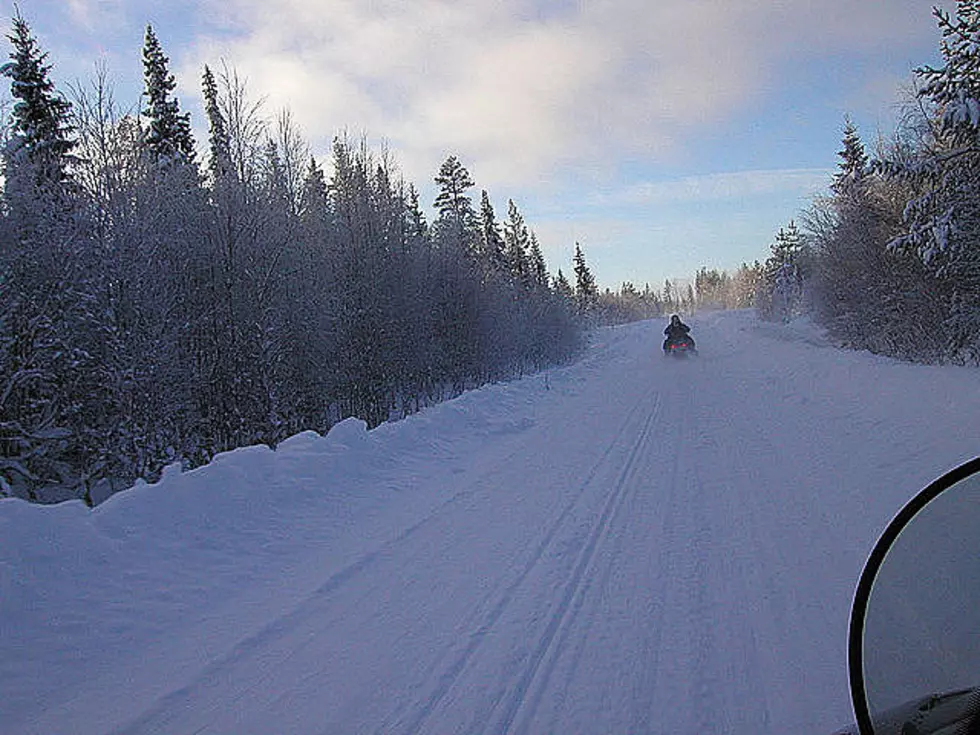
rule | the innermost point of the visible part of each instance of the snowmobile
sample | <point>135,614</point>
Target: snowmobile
<point>679,342</point>
<point>913,644</point>
<point>680,347</point>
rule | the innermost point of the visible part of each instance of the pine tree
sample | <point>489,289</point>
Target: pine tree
<point>786,247</point>
<point>491,240</point>
<point>40,120</point>
<point>586,290</point>
<point>457,221</point>
<point>538,267</point>
<point>955,87</point>
<point>45,267</point>
<point>274,178</point>
<point>781,295</point>
<point>853,164</point>
<point>220,163</point>
<point>169,135</point>
<point>563,288</point>
<point>314,197</point>
<point>851,253</point>
<point>516,242</point>
<point>418,228</point>
<point>943,223</point>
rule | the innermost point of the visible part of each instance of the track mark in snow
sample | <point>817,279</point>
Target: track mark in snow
<point>644,700</point>
<point>445,681</point>
<point>526,695</point>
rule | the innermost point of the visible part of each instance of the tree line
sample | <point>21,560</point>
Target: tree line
<point>709,289</point>
<point>161,303</point>
<point>889,260</point>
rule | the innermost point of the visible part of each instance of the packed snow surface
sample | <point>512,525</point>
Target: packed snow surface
<point>629,544</point>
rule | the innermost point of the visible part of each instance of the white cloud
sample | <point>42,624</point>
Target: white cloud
<point>84,12</point>
<point>92,15</point>
<point>715,187</point>
<point>517,88</point>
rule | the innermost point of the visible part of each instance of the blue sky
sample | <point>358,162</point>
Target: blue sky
<point>662,135</point>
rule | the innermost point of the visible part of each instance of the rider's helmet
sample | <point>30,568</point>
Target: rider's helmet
<point>675,319</point>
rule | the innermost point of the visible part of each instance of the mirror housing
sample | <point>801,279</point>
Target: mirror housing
<point>913,578</point>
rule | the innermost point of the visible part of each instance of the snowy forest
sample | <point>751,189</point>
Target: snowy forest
<point>889,260</point>
<point>162,302</point>
<point>163,299</point>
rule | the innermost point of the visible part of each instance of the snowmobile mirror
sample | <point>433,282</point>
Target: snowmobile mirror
<point>914,640</point>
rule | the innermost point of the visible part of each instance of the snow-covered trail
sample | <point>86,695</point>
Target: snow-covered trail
<point>628,544</point>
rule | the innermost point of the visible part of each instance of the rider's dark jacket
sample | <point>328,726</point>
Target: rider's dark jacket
<point>675,331</point>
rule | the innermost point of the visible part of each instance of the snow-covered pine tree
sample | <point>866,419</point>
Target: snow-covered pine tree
<point>456,224</point>
<point>41,129</point>
<point>786,247</point>
<point>418,228</point>
<point>44,264</point>
<point>781,292</point>
<point>314,198</point>
<point>536,262</point>
<point>943,223</point>
<point>849,283</point>
<point>492,242</point>
<point>274,185</point>
<point>563,288</point>
<point>516,242</point>
<point>853,165</point>
<point>586,290</point>
<point>218,139</point>
<point>169,135</point>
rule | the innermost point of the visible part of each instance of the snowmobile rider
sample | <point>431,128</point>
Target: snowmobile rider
<point>677,330</point>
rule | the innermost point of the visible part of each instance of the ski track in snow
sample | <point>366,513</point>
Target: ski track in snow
<point>627,544</point>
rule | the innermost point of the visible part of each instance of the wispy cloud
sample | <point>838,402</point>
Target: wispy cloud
<point>84,12</point>
<point>92,16</point>
<point>738,185</point>
<point>516,88</point>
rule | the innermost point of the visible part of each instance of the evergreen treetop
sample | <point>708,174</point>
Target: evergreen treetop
<point>456,216</point>
<point>314,197</point>
<point>516,242</point>
<point>786,247</point>
<point>955,87</point>
<point>586,290</point>
<point>40,116</point>
<point>418,227</point>
<point>218,139</point>
<point>492,241</point>
<point>562,287</point>
<point>539,269</point>
<point>169,135</point>
<point>853,164</point>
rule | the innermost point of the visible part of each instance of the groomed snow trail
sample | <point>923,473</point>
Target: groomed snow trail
<point>626,545</point>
